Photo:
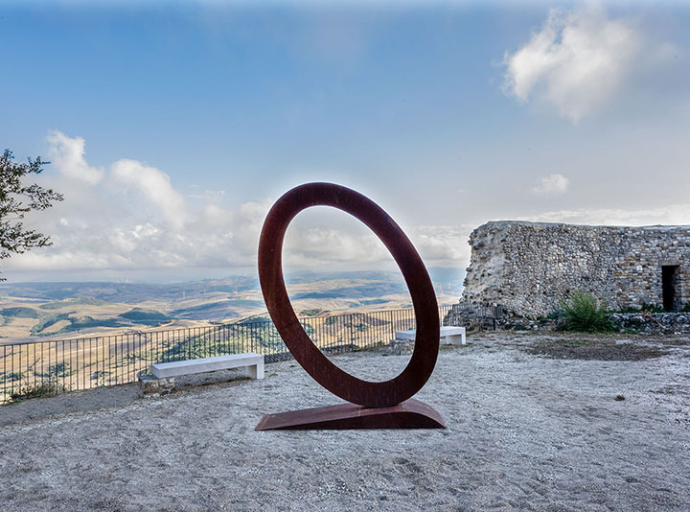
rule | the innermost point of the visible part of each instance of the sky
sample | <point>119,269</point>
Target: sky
<point>173,127</point>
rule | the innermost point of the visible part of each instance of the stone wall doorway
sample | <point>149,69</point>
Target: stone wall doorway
<point>670,286</point>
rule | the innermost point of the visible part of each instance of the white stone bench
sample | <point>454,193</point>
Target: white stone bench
<point>449,335</point>
<point>163,376</point>
<point>254,362</point>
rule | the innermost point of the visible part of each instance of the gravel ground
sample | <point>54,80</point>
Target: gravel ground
<point>526,431</point>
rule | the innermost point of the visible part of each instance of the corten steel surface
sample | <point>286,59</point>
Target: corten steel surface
<point>409,414</point>
<point>338,382</point>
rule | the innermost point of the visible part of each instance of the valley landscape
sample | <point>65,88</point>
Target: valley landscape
<point>69,336</point>
<point>54,310</point>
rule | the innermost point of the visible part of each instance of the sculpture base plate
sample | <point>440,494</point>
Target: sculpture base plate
<point>409,414</point>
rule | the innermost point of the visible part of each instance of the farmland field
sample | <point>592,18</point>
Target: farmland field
<point>54,344</point>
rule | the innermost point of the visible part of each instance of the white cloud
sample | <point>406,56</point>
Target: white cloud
<point>155,185</point>
<point>216,216</point>
<point>318,246</point>
<point>324,247</point>
<point>553,184</point>
<point>102,226</point>
<point>67,155</point>
<point>442,245</point>
<point>677,214</point>
<point>576,62</point>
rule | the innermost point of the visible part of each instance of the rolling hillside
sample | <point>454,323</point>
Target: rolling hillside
<point>61,310</point>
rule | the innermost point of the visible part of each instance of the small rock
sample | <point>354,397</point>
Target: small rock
<point>620,398</point>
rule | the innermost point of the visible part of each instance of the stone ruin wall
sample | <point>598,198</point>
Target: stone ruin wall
<point>531,267</point>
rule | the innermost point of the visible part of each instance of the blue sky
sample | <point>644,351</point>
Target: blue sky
<point>172,128</point>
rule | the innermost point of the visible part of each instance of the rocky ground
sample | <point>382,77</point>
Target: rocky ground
<point>536,421</point>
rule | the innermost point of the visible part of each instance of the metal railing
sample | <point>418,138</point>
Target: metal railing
<point>476,315</point>
<point>38,368</point>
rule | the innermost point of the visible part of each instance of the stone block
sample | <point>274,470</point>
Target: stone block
<point>150,386</point>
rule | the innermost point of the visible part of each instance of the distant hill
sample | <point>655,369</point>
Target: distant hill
<point>124,292</point>
<point>19,312</point>
<point>65,309</point>
<point>373,283</point>
<point>146,316</point>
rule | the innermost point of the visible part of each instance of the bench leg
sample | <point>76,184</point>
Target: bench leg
<point>256,371</point>
<point>151,386</point>
<point>453,340</point>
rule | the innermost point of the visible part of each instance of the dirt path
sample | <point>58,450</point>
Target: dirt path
<point>525,432</point>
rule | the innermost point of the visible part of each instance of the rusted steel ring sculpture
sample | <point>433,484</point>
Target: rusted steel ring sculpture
<point>337,381</point>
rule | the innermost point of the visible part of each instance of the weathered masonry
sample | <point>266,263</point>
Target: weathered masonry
<point>531,267</point>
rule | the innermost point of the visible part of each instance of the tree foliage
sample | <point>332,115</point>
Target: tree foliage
<point>18,199</point>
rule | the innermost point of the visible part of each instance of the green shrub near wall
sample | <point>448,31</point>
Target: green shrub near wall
<point>583,312</point>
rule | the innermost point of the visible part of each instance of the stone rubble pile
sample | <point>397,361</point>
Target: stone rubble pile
<point>652,322</point>
<point>474,318</point>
